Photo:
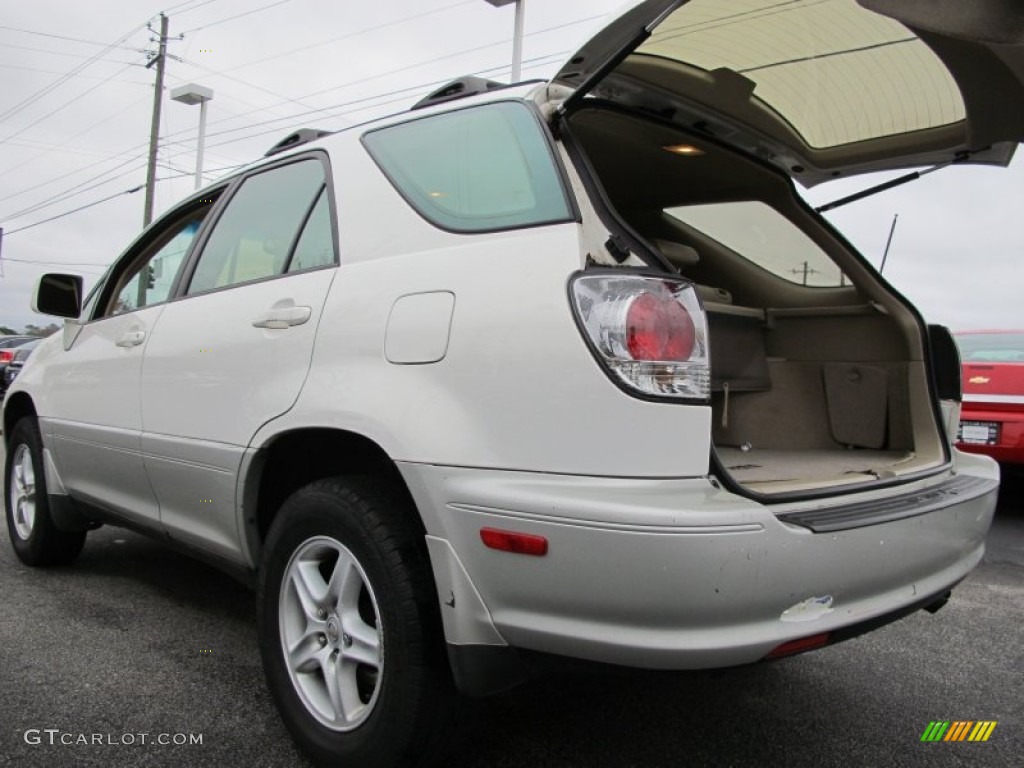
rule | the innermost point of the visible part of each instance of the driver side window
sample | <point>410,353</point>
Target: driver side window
<point>149,278</point>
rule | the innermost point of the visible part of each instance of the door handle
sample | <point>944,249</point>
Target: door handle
<point>131,339</point>
<point>283,317</point>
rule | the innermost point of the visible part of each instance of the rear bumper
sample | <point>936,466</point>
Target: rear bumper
<point>1010,449</point>
<point>678,574</point>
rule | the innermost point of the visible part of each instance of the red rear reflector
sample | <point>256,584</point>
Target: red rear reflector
<point>799,646</point>
<point>510,541</point>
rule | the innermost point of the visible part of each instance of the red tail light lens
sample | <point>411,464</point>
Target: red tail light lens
<point>659,328</point>
<point>6,355</point>
<point>649,332</point>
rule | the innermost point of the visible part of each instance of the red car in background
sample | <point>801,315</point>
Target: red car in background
<point>992,416</point>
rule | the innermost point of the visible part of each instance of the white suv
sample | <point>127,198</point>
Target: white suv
<point>562,368</point>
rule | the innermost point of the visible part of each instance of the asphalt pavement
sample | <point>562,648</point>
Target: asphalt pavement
<point>119,658</point>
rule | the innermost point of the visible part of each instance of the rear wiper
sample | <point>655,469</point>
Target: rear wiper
<point>960,157</point>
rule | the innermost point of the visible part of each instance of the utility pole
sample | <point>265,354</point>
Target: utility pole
<point>806,269</point>
<point>154,130</point>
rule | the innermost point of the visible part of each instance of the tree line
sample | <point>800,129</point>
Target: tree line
<point>30,330</point>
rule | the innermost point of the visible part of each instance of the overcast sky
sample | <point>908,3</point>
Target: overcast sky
<point>69,142</point>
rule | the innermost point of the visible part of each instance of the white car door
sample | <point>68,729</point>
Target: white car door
<point>233,350</point>
<point>91,410</point>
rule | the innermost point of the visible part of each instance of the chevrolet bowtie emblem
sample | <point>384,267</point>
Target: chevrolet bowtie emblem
<point>979,380</point>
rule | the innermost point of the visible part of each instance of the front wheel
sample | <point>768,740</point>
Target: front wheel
<point>350,634</point>
<point>36,540</point>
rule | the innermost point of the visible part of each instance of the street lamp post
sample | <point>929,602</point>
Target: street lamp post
<point>196,94</point>
<point>517,36</point>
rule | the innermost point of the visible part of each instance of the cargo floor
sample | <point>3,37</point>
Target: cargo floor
<point>764,466</point>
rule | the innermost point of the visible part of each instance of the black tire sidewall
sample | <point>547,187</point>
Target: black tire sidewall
<point>391,732</point>
<point>46,544</point>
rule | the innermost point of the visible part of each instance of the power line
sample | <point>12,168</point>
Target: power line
<point>217,170</point>
<point>67,103</point>
<point>402,94</point>
<point>355,82</point>
<point>366,79</point>
<point>245,83</point>
<point>28,101</point>
<point>98,202</point>
<point>77,190</point>
<point>74,210</point>
<point>177,8</point>
<point>56,263</point>
<point>57,53</point>
<point>534,63</point>
<point>349,35</point>
<point>236,16</point>
<point>50,34</point>
<point>64,147</point>
<point>53,72</point>
<point>60,197</point>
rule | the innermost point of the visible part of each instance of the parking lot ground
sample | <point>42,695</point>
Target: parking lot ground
<point>136,639</point>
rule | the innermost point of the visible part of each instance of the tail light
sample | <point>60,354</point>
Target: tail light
<point>6,355</point>
<point>650,333</point>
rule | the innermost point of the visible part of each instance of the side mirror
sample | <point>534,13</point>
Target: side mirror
<point>945,363</point>
<point>59,295</point>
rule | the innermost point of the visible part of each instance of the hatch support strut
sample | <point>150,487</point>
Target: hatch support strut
<point>961,156</point>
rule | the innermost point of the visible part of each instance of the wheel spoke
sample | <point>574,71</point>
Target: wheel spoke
<point>306,654</point>
<point>332,680</point>
<point>351,704</point>
<point>365,648</point>
<point>344,580</point>
<point>22,491</point>
<point>309,588</point>
<point>28,473</point>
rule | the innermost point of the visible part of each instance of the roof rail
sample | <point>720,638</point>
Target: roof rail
<point>298,138</point>
<point>458,89</point>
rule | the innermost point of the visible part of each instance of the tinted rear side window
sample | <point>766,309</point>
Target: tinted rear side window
<point>474,170</point>
<point>253,238</point>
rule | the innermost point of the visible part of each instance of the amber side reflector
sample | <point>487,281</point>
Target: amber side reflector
<point>518,543</point>
<point>799,646</point>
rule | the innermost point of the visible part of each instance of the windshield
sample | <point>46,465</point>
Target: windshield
<point>991,347</point>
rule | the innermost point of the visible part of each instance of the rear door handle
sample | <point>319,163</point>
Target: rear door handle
<point>283,317</point>
<point>131,339</point>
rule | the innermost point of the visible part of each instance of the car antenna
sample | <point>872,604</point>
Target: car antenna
<point>888,242</point>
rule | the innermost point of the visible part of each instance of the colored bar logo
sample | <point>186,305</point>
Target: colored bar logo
<point>959,730</point>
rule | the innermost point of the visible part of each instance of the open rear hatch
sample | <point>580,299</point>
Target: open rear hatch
<point>694,118</point>
<point>821,88</point>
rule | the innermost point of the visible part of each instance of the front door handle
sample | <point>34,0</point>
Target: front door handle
<point>283,317</point>
<point>131,339</point>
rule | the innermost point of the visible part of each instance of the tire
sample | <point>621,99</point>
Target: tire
<point>368,613</point>
<point>35,538</point>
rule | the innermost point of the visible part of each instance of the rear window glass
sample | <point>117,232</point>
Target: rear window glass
<point>991,347</point>
<point>836,72</point>
<point>764,236</point>
<point>474,170</point>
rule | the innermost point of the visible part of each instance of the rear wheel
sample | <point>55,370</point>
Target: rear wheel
<point>349,628</point>
<point>37,541</point>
